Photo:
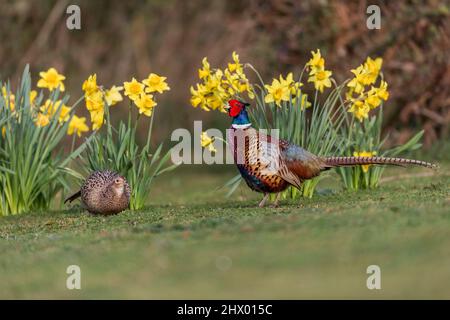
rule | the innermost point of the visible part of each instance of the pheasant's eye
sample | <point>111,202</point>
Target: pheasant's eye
<point>117,181</point>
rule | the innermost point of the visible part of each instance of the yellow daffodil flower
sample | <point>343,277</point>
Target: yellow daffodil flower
<point>50,109</point>
<point>321,79</point>
<point>360,110</point>
<point>276,92</point>
<point>155,83</point>
<point>77,125</point>
<point>357,83</point>
<point>133,89</point>
<point>90,85</point>
<point>205,71</point>
<point>51,80</point>
<point>207,141</point>
<point>95,102</point>
<point>113,96</point>
<point>145,104</point>
<point>198,97</point>
<point>372,69</point>
<point>316,63</point>
<point>236,66</point>
<point>97,119</point>
<point>10,99</point>
<point>375,95</point>
<point>42,120</point>
<point>33,95</point>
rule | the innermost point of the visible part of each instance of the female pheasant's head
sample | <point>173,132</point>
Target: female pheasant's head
<point>236,110</point>
<point>118,186</point>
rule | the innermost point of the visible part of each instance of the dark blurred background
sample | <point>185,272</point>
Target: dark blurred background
<point>121,39</point>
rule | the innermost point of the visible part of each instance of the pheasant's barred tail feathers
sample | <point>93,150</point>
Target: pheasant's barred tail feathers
<point>73,197</point>
<point>351,161</point>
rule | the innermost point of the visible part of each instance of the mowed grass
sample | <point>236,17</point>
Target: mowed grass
<point>192,242</point>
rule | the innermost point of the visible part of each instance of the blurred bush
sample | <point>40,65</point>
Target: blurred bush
<point>124,38</point>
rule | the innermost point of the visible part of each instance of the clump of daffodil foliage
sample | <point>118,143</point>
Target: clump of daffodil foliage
<point>117,149</point>
<point>336,121</point>
<point>34,170</point>
<point>361,133</point>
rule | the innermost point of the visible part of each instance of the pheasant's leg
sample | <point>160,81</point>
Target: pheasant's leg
<point>263,201</point>
<point>277,199</point>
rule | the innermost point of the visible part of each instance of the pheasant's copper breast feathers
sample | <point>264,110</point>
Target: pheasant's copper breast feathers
<point>258,159</point>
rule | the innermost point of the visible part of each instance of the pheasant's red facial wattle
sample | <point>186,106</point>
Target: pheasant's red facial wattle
<point>235,108</point>
<point>234,111</point>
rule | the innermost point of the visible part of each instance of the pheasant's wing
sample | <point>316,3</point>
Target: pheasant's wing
<point>297,164</point>
<point>273,162</point>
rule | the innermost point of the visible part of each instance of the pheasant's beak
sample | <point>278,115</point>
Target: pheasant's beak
<point>226,107</point>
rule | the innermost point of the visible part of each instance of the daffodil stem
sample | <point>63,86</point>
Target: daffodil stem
<point>150,128</point>
<point>73,143</point>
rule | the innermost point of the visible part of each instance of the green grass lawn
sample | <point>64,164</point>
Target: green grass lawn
<point>192,242</point>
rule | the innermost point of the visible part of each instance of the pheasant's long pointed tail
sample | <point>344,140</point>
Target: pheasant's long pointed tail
<point>331,162</point>
<point>73,197</point>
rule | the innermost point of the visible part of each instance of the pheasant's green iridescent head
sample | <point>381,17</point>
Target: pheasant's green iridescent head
<point>237,110</point>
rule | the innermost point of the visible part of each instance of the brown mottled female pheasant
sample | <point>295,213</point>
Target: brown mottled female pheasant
<point>271,165</point>
<point>104,192</point>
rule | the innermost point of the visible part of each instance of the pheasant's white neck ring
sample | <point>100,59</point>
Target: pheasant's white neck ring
<point>241,126</point>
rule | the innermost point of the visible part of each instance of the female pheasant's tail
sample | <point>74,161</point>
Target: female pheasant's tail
<point>73,197</point>
<point>331,162</point>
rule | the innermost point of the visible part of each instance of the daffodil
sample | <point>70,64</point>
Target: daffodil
<point>365,167</point>
<point>51,80</point>
<point>316,63</point>
<point>218,86</point>
<point>97,119</point>
<point>133,89</point>
<point>145,104</point>
<point>42,120</point>
<point>198,97</point>
<point>372,69</point>
<point>321,79</point>
<point>207,141</point>
<point>3,132</point>
<point>10,99</point>
<point>155,83</point>
<point>51,108</point>
<point>375,95</point>
<point>236,66</point>
<point>113,96</point>
<point>305,104</point>
<point>360,110</point>
<point>276,92</point>
<point>90,85</point>
<point>357,83</point>
<point>77,125</point>
<point>205,71</point>
<point>33,95</point>
<point>365,74</point>
<point>95,102</point>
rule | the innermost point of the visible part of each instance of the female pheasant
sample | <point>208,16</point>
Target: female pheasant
<point>104,192</point>
<point>270,165</point>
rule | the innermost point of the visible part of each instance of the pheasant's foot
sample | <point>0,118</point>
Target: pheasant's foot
<point>277,200</point>
<point>263,201</point>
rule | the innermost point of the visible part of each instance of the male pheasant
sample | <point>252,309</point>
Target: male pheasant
<point>104,193</point>
<point>270,165</point>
